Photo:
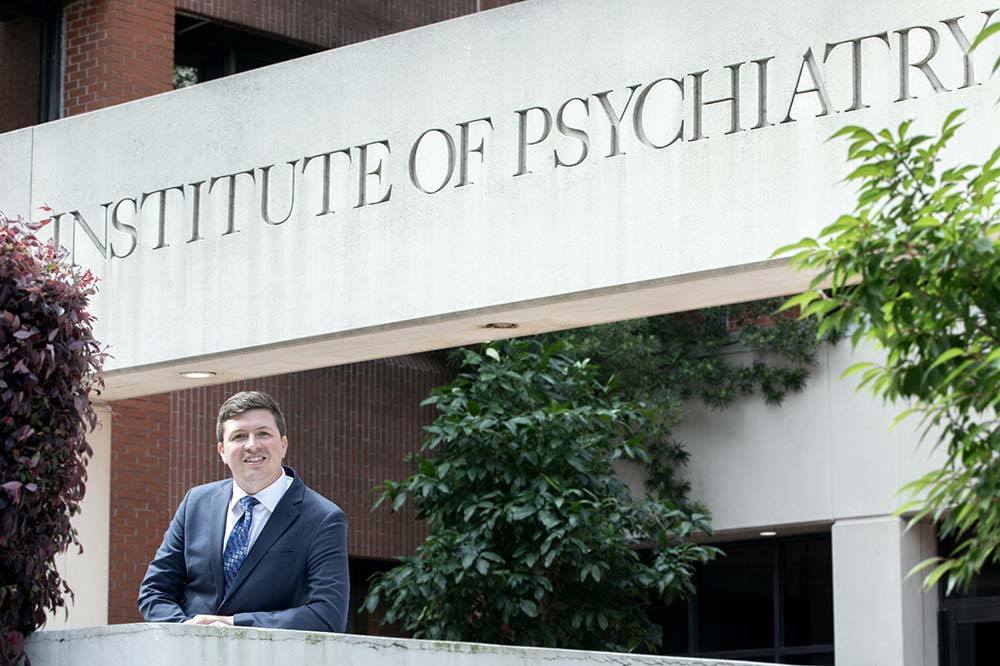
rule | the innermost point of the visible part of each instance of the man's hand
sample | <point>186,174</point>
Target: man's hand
<point>213,620</point>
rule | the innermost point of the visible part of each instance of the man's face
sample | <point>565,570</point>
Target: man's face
<point>252,449</point>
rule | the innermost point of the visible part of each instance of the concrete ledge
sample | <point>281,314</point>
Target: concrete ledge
<point>172,644</point>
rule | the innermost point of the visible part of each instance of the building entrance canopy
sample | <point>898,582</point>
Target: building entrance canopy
<point>550,164</point>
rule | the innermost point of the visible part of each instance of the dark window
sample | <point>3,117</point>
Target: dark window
<point>30,62</point>
<point>736,600</point>
<point>767,601</point>
<point>674,621</point>
<point>207,49</point>
<point>359,621</point>
<point>807,593</point>
<point>969,620</point>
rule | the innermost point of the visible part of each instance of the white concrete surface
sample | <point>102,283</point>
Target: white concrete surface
<point>15,183</point>
<point>826,457</point>
<point>248,293</point>
<point>825,454</point>
<point>87,571</point>
<point>880,615</point>
<point>171,644</point>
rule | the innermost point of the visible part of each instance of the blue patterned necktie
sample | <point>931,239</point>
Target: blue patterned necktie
<point>238,544</point>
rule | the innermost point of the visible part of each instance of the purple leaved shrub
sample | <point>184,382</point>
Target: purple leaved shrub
<point>49,363</point>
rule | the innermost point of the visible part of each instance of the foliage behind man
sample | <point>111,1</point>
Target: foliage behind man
<point>533,538</point>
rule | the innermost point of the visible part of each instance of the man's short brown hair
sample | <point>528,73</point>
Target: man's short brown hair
<point>244,401</point>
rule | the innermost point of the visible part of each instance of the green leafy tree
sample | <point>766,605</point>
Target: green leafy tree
<point>533,539</point>
<point>915,269</point>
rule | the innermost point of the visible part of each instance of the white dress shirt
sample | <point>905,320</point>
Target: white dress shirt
<point>268,498</point>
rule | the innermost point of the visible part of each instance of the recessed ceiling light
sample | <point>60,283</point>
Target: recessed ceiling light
<point>197,374</point>
<point>769,534</point>
<point>500,324</point>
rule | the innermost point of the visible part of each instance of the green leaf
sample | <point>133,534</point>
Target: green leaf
<point>931,561</point>
<point>939,571</point>
<point>493,354</point>
<point>799,301</point>
<point>949,122</point>
<point>805,243</point>
<point>843,223</point>
<point>855,132</point>
<point>947,356</point>
<point>902,416</point>
<point>549,519</point>
<point>522,512</point>
<point>984,34</point>
<point>857,367</point>
<point>865,171</point>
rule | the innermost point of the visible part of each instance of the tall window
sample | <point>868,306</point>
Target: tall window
<point>205,49</point>
<point>768,601</point>
<point>30,62</point>
<point>969,620</point>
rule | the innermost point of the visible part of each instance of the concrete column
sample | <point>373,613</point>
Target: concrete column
<point>87,572</point>
<point>881,616</point>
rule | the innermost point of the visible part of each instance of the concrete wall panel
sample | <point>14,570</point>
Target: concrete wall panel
<point>15,174</point>
<point>87,572</point>
<point>162,644</point>
<point>627,214</point>
<point>825,454</point>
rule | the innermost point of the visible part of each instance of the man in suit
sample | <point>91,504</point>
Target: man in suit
<point>258,550</point>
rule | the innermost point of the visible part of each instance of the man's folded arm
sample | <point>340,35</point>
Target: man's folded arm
<point>163,585</point>
<point>328,581</point>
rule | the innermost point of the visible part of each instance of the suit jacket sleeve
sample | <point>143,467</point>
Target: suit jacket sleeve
<point>328,584</point>
<point>162,588</point>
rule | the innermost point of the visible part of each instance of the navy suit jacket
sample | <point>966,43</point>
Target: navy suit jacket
<point>294,577</point>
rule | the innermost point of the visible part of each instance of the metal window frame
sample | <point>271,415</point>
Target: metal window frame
<point>51,84</point>
<point>777,651</point>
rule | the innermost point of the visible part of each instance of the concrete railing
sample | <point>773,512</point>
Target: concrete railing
<point>186,645</point>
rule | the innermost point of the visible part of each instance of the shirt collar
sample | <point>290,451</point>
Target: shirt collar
<point>269,496</point>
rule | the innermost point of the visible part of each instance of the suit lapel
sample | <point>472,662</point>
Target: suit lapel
<point>286,513</point>
<point>216,531</point>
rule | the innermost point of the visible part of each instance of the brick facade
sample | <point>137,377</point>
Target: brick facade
<point>116,51</point>
<point>20,72</point>
<point>348,429</point>
<point>140,446</point>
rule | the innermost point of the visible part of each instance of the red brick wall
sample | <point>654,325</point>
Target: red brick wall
<point>20,72</point>
<point>116,51</point>
<point>140,446</point>
<point>348,429</point>
<point>330,23</point>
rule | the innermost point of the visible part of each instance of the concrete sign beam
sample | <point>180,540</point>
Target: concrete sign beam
<point>554,163</point>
